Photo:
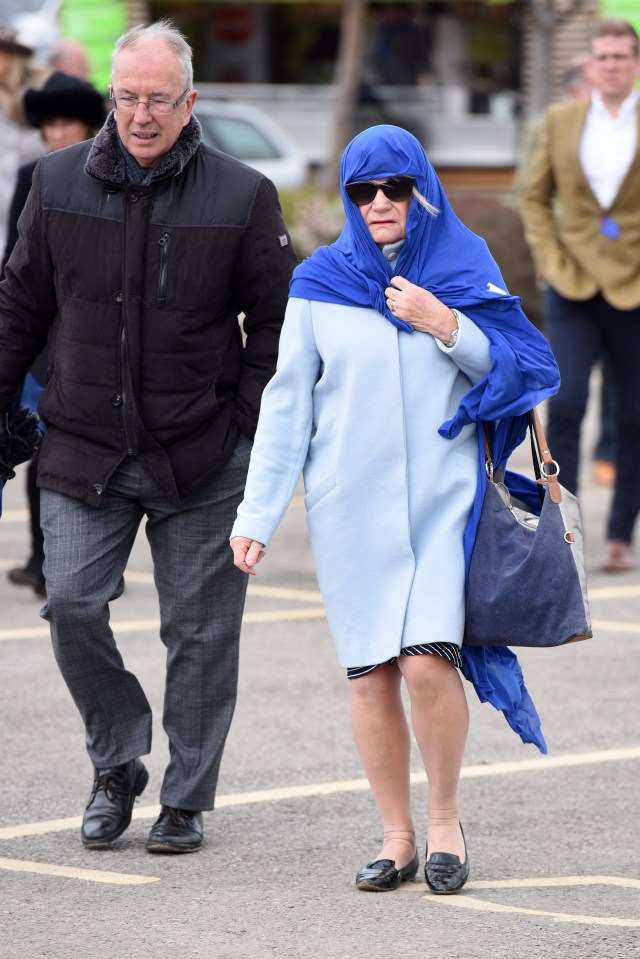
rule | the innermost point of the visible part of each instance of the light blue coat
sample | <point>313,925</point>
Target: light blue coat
<point>357,404</point>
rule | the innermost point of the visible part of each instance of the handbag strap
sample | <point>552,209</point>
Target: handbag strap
<point>546,469</point>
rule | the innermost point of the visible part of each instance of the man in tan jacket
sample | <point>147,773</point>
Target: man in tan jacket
<point>581,213</point>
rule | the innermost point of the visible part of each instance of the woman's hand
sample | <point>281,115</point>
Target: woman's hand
<point>425,312</point>
<point>247,553</point>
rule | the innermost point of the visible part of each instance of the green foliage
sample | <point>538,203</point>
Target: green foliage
<point>312,218</point>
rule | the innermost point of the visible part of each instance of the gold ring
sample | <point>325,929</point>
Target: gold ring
<point>392,306</point>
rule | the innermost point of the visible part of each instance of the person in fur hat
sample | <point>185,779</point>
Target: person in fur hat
<point>66,110</point>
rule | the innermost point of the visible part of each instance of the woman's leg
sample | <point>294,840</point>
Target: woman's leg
<point>440,720</point>
<point>382,739</point>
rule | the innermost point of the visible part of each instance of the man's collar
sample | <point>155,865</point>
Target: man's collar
<point>107,162</point>
<point>627,106</point>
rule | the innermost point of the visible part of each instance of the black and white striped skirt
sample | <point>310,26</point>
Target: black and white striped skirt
<point>446,650</point>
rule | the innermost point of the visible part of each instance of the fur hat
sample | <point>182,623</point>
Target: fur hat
<point>9,41</point>
<point>64,96</point>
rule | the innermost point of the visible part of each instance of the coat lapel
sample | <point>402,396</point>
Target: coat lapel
<point>627,195</point>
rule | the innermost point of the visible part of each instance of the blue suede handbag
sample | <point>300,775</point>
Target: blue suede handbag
<point>527,583</point>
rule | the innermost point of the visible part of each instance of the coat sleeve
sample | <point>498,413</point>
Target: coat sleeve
<point>284,428</point>
<point>261,285</point>
<point>537,208</point>
<point>28,304</point>
<point>471,352</point>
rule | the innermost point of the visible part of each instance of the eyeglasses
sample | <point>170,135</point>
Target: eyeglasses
<point>396,188</point>
<point>615,57</point>
<point>156,106</point>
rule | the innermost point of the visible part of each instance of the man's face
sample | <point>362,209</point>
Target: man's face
<point>150,71</point>
<point>614,66</point>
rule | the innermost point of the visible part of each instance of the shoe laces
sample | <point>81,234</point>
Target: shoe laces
<point>177,816</point>
<point>112,782</point>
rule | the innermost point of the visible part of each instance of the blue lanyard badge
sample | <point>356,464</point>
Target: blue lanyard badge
<point>609,228</point>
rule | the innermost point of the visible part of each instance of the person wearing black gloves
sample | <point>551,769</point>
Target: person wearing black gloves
<point>137,251</point>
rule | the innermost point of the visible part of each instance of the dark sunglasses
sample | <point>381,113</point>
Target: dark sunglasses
<point>395,188</point>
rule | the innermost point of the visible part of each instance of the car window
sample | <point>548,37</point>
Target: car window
<point>237,137</point>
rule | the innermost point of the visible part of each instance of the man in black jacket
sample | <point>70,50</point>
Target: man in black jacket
<point>137,251</point>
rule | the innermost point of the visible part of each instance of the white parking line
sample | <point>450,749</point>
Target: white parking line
<point>614,592</point>
<point>615,626</point>
<point>268,592</point>
<point>13,516</point>
<point>69,872</point>
<point>153,625</point>
<point>482,770</point>
<point>486,905</point>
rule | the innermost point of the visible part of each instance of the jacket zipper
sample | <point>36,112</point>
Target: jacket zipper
<point>124,393</point>
<point>163,243</point>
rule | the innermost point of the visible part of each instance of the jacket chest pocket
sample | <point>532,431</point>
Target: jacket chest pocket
<point>164,243</point>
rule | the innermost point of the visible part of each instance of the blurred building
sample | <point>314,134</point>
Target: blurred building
<point>462,74</point>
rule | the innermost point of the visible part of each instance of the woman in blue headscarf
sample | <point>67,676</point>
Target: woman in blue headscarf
<point>399,340</point>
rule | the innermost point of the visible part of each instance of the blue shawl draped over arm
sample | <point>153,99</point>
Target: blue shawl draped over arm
<point>441,255</point>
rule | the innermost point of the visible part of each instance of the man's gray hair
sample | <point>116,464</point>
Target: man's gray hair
<point>160,30</point>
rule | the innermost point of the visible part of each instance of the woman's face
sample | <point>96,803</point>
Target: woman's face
<point>386,219</point>
<point>62,132</point>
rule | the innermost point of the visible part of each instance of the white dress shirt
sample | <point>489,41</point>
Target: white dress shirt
<point>608,146</point>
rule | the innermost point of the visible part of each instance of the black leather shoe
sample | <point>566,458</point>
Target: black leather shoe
<point>110,805</point>
<point>176,830</point>
<point>444,873</point>
<point>382,875</point>
<point>28,576</point>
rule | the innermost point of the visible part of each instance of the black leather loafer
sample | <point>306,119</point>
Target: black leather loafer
<point>110,805</point>
<point>444,873</point>
<point>382,875</point>
<point>176,830</point>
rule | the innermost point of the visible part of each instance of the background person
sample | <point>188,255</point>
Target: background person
<point>580,213</point>
<point>19,143</point>
<point>398,340</point>
<point>66,110</point>
<point>577,84</point>
<point>137,250</point>
<point>70,57</point>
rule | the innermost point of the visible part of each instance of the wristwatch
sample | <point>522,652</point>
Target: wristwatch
<point>454,336</point>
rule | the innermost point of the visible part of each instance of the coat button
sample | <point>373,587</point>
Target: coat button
<point>116,400</point>
<point>98,489</point>
<point>119,296</point>
<point>133,197</point>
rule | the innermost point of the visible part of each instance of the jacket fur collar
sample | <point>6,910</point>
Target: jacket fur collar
<point>106,162</point>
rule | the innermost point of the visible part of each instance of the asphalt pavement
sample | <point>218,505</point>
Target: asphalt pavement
<point>553,841</point>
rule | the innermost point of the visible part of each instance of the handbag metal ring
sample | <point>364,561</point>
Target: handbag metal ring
<point>543,469</point>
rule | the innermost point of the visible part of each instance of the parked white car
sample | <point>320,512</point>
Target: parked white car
<point>252,136</point>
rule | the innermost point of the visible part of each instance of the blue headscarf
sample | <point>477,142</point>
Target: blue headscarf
<point>441,255</point>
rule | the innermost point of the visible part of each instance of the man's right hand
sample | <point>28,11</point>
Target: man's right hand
<point>19,438</point>
<point>6,470</point>
<point>247,553</point>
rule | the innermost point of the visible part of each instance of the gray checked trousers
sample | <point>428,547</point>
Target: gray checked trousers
<point>201,596</point>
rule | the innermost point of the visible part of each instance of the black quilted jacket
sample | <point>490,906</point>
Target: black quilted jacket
<point>142,287</point>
